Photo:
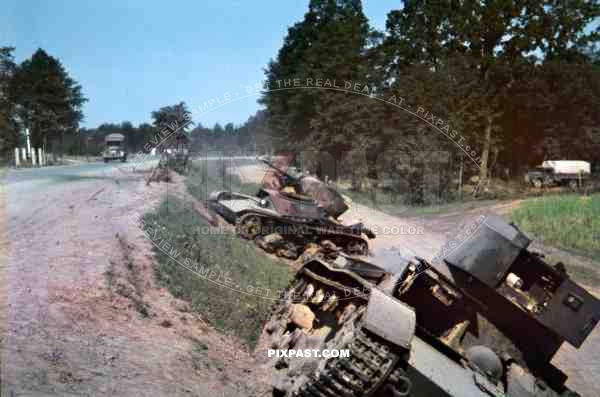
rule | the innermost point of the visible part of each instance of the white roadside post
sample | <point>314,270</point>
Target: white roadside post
<point>17,161</point>
<point>28,141</point>
<point>40,157</point>
<point>24,154</point>
<point>33,162</point>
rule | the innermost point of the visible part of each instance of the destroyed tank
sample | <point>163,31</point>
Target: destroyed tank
<point>289,212</point>
<point>175,153</point>
<point>484,321</point>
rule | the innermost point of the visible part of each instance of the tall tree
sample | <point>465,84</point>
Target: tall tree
<point>47,100</point>
<point>254,135</point>
<point>175,117</point>
<point>502,39</point>
<point>327,44</point>
<point>173,123</point>
<point>9,133</point>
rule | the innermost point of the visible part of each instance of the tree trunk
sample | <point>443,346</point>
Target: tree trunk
<point>460,176</point>
<point>485,153</point>
<point>62,145</point>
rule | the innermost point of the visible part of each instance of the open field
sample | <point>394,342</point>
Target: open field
<point>571,222</point>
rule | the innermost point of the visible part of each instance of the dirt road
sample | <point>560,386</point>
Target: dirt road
<point>81,313</point>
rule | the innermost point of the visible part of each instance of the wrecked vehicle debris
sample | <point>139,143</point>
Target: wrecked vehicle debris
<point>175,153</point>
<point>293,211</point>
<point>490,316</point>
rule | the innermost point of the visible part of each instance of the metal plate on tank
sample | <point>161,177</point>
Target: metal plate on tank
<point>485,248</point>
<point>390,319</point>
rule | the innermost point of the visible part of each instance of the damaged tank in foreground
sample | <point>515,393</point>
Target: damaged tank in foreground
<point>284,217</point>
<point>484,321</point>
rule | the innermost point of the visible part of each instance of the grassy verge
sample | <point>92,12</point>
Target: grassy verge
<point>570,221</point>
<point>233,261</point>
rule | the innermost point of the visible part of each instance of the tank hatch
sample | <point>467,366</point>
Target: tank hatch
<point>485,248</point>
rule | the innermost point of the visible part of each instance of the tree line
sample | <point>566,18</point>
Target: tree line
<point>251,137</point>
<point>449,89</point>
<point>39,96</point>
<point>487,89</point>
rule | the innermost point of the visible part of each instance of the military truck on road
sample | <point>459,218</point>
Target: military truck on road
<point>559,172</point>
<point>114,148</point>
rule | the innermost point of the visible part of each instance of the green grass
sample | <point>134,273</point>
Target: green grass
<point>233,262</point>
<point>207,176</point>
<point>569,221</point>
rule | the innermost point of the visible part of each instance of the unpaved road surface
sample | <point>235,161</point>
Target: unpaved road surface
<point>81,315</point>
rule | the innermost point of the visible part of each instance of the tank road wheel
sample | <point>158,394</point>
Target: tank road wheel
<point>357,247</point>
<point>312,317</point>
<point>249,226</point>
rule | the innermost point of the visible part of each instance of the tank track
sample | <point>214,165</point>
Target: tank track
<point>397,385</point>
<point>361,374</point>
<point>355,244</point>
<point>373,364</point>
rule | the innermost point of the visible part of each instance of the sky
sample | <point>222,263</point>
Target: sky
<point>134,56</point>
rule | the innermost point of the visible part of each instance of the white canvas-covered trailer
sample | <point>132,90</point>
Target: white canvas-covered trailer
<point>568,166</point>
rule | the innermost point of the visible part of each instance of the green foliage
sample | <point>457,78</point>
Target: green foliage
<point>503,44</point>
<point>174,118</point>
<point>229,257</point>
<point>492,71</point>
<point>553,114</point>
<point>9,134</point>
<point>566,221</point>
<point>173,123</point>
<point>328,43</point>
<point>91,140</point>
<point>46,99</point>
<point>252,137</point>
